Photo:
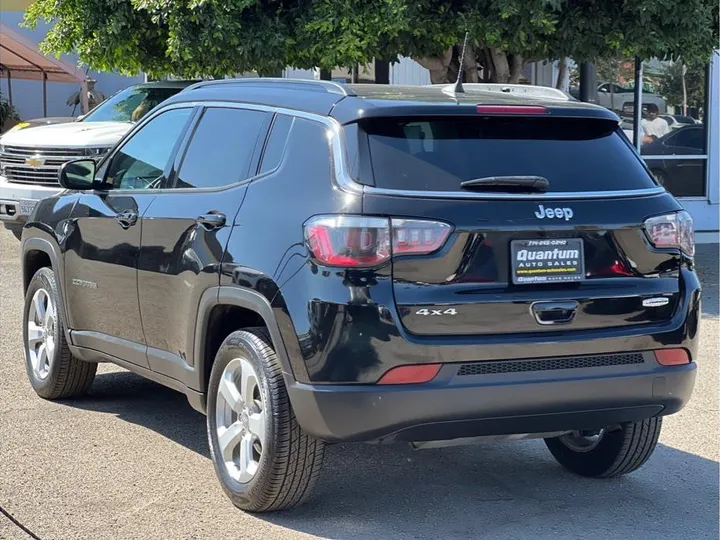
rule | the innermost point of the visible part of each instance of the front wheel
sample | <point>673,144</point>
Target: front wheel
<point>609,452</point>
<point>53,371</point>
<point>262,458</point>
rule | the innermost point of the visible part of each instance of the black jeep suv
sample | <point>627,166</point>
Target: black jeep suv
<point>314,263</point>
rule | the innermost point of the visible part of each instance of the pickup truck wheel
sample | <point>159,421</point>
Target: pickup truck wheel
<point>263,459</point>
<point>51,368</point>
<point>609,452</point>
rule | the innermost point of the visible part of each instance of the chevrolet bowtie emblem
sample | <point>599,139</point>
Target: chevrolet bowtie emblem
<point>34,162</point>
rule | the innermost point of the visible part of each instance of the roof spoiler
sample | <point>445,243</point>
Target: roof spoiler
<point>519,90</point>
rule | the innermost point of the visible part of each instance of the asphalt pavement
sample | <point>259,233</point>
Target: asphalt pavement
<point>131,461</point>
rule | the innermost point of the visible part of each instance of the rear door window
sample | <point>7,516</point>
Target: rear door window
<point>437,154</point>
<point>222,147</point>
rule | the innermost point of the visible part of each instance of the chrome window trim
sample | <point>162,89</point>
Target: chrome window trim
<point>564,195</point>
<point>343,181</point>
<point>673,156</point>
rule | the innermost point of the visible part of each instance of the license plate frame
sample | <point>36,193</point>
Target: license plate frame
<point>26,207</point>
<point>562,260</point>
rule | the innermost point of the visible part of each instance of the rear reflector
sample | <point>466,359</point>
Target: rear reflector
<point>413,374</point>
<point>672,357</point>
<point>511,109</point>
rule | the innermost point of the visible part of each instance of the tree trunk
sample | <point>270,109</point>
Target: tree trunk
<point>684,89</point>
<point>488,69</point>
<point>501,68</point>
<point>438,66</point>
<point>496,67</point>
<point>516,67</point>
<point>562,70</point>
<point>470,64</point>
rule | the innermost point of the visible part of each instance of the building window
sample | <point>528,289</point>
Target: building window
<point>674,127</point>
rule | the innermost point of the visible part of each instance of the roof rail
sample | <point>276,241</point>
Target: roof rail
<point>519,90</point>
<point>327,86</point>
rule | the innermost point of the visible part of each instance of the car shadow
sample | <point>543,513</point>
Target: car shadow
<point>500,490</point>
<point>140,401</point>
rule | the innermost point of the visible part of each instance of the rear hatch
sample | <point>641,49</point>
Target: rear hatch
<point>556,242</point>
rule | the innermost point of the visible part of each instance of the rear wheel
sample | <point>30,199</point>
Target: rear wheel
<point>51,368</point>
<point>608,452</point>
<point>262,457</point>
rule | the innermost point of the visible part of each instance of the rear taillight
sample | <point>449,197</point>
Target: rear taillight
<point>672,231</point>
<point>358,241</point>
<point>418,237</point>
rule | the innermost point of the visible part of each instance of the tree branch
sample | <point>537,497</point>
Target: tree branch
<point>437,66</point>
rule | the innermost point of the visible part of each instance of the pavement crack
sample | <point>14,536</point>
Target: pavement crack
<point>19,524</point>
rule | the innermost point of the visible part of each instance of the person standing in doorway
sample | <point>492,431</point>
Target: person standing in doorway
<point>653,126</point>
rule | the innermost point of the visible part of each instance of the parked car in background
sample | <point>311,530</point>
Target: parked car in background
<point>31,156</point>
<point>622,99</point>
<point>682,177</point>
<point>35,122</point>
<point>676,121</point>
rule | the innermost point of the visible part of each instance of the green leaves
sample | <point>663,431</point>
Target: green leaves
<point>195,38</point>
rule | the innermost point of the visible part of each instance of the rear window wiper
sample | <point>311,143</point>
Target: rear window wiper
<point>508,183</point>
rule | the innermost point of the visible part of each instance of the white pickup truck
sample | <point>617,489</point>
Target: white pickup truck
<point>30,157</point>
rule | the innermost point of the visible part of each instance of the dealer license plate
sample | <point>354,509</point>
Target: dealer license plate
<point>553,260</point>
<point>26,207</point>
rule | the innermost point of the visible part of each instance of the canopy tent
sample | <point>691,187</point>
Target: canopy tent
<point>21,59</point>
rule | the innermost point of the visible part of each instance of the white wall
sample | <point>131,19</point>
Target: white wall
<point>27,95</point>
<point>408,72</point>
<point>297,73</point>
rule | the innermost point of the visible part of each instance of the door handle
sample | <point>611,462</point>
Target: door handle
<point>127,219</point>
<point>212,220</point>
<point>554,312</point>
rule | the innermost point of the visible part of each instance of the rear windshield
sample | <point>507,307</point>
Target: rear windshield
<point>436,154</point>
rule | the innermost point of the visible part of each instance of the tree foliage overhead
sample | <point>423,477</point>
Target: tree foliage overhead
<point>194,38</point>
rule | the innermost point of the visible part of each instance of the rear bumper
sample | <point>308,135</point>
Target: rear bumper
<point>454,406</point>
<point>15,198</point>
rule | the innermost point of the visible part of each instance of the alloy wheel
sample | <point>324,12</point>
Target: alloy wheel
<point>41,323</point>
<point>240,420</point>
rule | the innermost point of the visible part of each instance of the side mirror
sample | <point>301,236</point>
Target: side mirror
<point>78,174</point>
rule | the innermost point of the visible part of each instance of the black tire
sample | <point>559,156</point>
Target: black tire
<point>66,376</point>
<point>290,461</point>
<point>618,452</point>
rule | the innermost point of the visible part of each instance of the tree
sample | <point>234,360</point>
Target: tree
<point>683,85</point>
<point>8,114</point>
<point>194,38</point>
